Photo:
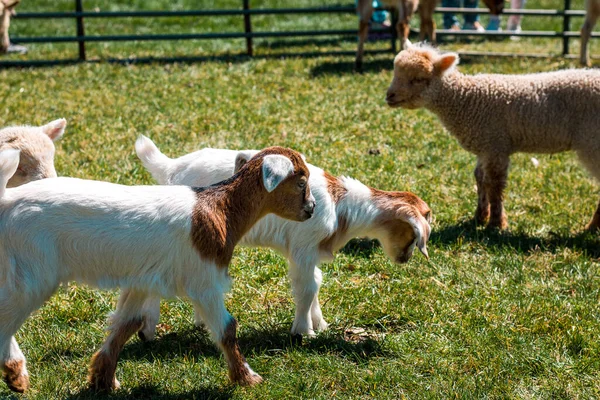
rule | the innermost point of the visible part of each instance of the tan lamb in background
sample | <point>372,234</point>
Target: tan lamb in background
<point>36,144</point>
<point>494,116</point>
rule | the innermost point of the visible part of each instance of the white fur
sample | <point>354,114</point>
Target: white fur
<point>135,237</point>
<point>275,168</point>
<point>298,242</point>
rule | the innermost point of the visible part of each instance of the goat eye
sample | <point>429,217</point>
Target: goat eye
<point>301,183</point>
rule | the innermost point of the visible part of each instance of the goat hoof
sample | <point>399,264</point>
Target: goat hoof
<point>101,373</point>
<point>296,339</point>
<point>15,380</point>
<point>142,336</point>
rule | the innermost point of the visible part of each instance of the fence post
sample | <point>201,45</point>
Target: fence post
<point>394,29</point>
<point>566,27</point>
<point>248,28</point>
<point>80,30</point>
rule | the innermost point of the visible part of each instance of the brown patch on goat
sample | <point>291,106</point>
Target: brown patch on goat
<point>394,200</point>
<point>337,191</point>
<point>223,213</point>
<point>335,188</point>
<point>12,375</point>
<point>328,245</point>
<point>239,371</point>
<point>104,362</point>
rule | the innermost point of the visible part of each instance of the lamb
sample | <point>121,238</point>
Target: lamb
<point>152,240</point>
<point>494,116</point>
<point>345,209</point>
<point>405,10</point>
<point>37,150</point>
<point>592,8</point>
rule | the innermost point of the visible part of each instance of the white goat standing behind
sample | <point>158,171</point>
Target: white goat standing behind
<point>153,240</point>
<point>345,209</point>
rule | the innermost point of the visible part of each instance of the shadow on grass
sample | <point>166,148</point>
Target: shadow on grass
<point>468,231</point>
<point>255,341</point>
<point>152,392</point>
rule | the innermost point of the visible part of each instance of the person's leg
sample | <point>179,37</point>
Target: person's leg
<point>450,19</point>
<point>514,21</point>
<point>472,20</point>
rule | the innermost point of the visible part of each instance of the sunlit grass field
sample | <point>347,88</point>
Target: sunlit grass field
<point>491,315</point>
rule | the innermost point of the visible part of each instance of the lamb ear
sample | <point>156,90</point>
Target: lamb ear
<point>55,129</point>
<point>445,62</point>
<point>275,169</point>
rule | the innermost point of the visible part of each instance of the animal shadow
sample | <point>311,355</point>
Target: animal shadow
<point>468,231</point>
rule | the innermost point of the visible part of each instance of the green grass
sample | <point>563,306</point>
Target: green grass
<point>491,315</point>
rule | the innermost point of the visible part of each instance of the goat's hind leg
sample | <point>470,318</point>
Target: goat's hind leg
<point>14,310</point>
<point>126,322</point>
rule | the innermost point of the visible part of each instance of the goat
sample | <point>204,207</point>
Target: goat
<point>153,240</point>
<point>345,209</point>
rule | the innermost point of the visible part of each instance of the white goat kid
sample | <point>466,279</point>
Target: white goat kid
<point>153,240</point>
<point>345,209</point>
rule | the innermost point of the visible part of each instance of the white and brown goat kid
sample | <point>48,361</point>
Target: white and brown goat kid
<point>345,209</point>
<point>36,144</point>
<point>161,241</point>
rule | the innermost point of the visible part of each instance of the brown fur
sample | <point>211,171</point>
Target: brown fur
<point>238,368</point>
<point>396,207</point>
<point>104,362</point>
<point>225,212</point>
<point>12,375</point>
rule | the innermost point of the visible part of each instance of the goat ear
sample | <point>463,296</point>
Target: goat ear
<point>55,129</point>
<point>445,62</point>
<point>275,169</point>
<point>240,160</point>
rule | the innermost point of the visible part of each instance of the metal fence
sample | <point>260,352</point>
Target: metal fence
<point>246,12</point>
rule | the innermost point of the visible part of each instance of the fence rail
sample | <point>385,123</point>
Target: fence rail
<point>247,12</point>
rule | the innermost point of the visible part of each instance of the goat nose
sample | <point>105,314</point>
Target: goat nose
<point>310,206</point>
<point>389,96</point>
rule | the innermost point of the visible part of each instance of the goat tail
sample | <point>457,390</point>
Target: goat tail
<point>9,161</point>
<point>154,161</point>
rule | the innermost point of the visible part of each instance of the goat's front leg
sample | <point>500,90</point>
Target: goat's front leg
<point>495,171</point>
<point>482,214</point>
<point>4,25</point>
<point>306,280</point>
<point>223,328</point>
<point>125,323</point>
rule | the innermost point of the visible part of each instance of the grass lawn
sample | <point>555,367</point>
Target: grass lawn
<point>491,315</point>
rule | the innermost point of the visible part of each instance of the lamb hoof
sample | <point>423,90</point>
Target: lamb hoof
<point>498,224</point>
<point>15,380</point>
<point>593,227</point>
